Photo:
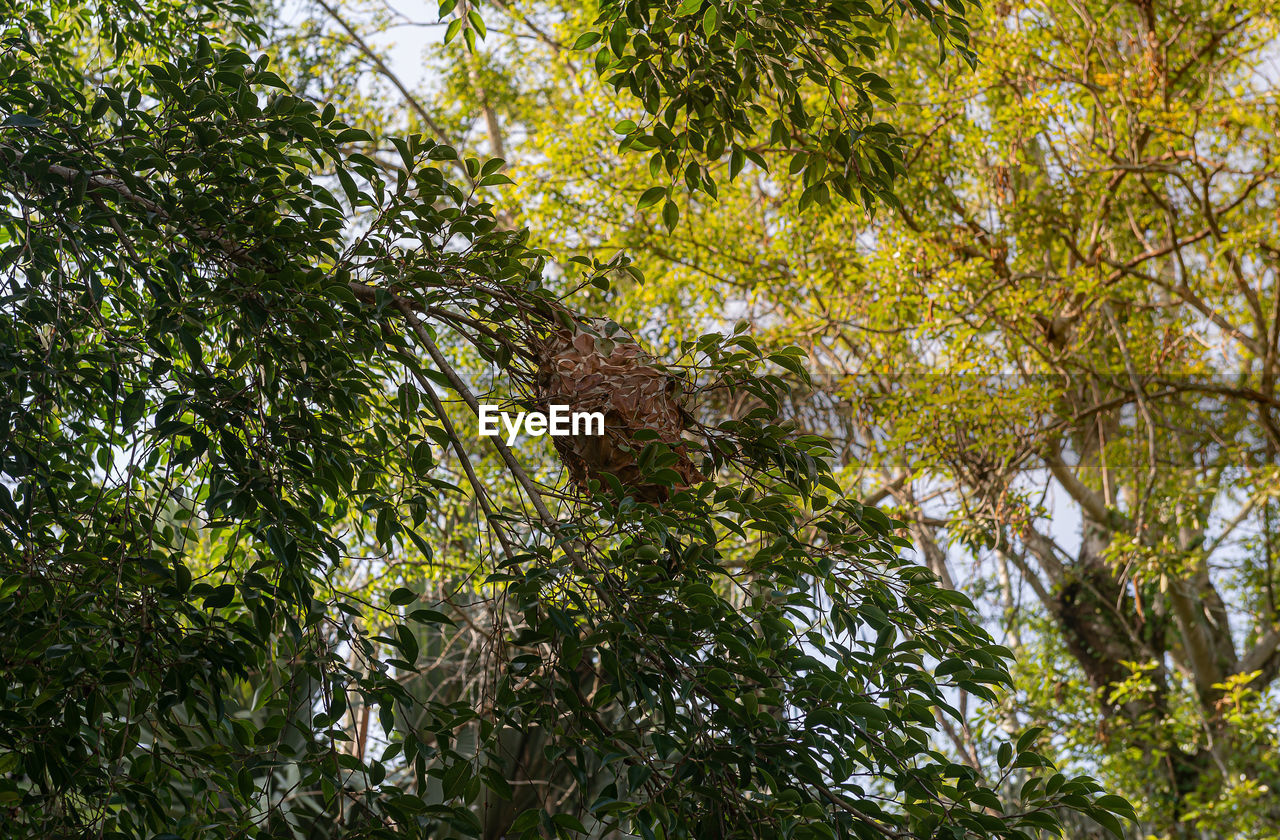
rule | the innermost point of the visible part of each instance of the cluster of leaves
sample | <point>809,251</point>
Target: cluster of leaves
<point>716,76</point>
<point>748,81</point>
<point>186,362</point>
<point>208,300</point>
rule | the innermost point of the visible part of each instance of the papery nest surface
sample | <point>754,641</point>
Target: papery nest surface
<point>613,376</point>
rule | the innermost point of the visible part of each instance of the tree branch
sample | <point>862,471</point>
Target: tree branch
<point>409,98</point>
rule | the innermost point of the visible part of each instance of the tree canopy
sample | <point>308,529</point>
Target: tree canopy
<point>241,351</point>
<point>1055,362</point>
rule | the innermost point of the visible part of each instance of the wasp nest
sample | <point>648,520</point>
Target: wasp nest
<point>588,373</point>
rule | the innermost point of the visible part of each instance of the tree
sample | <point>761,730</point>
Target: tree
<point>1058,360</point>
<point>229,339</point>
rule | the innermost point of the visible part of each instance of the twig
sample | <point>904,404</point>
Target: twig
<point>386,71</point>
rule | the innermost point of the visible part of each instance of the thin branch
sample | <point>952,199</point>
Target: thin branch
<point>1139,394</point>
<point>482,496</point>
<point>409,98</point>
<point>508,457</point>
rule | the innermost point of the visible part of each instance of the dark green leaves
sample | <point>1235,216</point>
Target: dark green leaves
<point>670,214</point>
<point>403,596</point>
<point>220,597</point>
<point>188,394</point>
<point>714,77</point>
<point>21,121</point>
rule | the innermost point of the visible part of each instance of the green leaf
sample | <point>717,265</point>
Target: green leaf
<point>402,596</point>
<point>651,197</point>
<point>352,135</point>
<point>1005,754</point>
<point>408,643</point>
<point>425,616</point>
<point>1110,823</point>
<point>22,121</point>
<point>221,597</point>
<point>1115,804</point>
<point>569,821</point>
<point>477,23</point>
<point>1028,738</point>
<point>670,215</point>
<point>527,820</point>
